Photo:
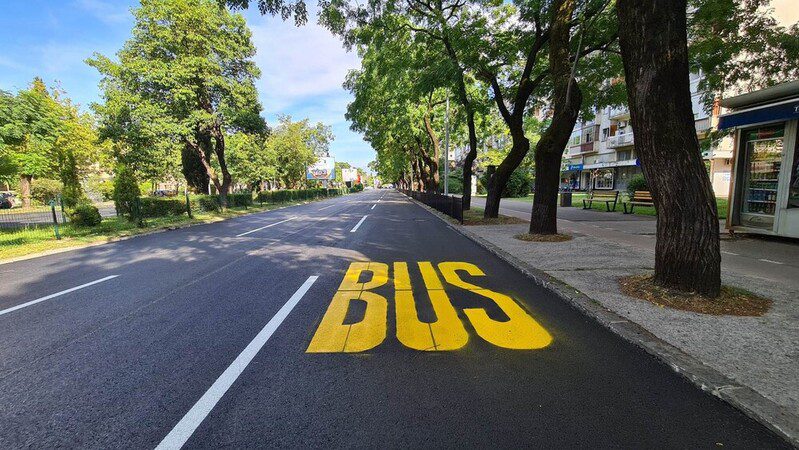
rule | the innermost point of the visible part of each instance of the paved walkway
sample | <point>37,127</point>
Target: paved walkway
<point>759,352</point>
<point>771,260</point>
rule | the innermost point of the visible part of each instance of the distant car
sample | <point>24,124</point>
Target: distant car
<point>6,200</point>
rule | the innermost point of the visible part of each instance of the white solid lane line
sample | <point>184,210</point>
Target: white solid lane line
<point>770,261</point>
<point>267,226</point>
<point>373,206</point>
<point>328,206</point>
<point>729,253</point>
<point>48,297</point>
<point>359,224</point>
<point>189,423</point>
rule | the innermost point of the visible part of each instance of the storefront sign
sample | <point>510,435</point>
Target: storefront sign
<point>783,111</point>
<point>575,167</point>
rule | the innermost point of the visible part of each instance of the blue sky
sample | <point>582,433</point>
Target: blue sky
<point>303,68</point>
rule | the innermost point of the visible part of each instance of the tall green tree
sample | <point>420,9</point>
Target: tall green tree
<point>30,124</point>
<point>187,71</point>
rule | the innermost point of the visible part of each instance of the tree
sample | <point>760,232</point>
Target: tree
<point>251,160</point>
<point>292,144</point>
<point>188,72</point>
<point>30,124</point>
<point>654,44</point>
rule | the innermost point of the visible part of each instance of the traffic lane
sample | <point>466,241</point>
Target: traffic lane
<point>48,326</point>
<point>587,388</point>
<point>126,383</point>
<point>34,278</point>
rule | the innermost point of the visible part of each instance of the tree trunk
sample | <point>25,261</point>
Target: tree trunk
<point>432,160</point>
<point>219,149</point>
<point>496,183</point>
<point>549,150</point>
<point>653,40</point>
<point>25,189</point>
<point>468,161</point>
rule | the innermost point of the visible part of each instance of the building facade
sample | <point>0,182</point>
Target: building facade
<point>601,153</point>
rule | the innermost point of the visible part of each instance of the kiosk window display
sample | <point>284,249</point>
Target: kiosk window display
<point>764,192</point>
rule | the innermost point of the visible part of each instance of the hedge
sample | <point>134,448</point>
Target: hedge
<point>288,195</point>
<point>161,207</point>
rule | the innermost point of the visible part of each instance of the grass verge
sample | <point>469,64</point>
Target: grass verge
<point>474,216</point>
<point>27,241</point>
<point>731,302</point>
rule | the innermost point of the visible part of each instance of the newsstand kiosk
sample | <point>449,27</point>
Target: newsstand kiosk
<point>764,187</point>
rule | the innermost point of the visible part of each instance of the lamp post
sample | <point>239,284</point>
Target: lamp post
<point>446,150</point>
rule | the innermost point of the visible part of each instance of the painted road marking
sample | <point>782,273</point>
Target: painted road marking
<point>333,335</point>
<point>264,227</point>
<point>729,253</point>
<point>770,261</point>
<point>328,206</point>
<point>48,297</point>
<point>189,423</point>
<point>373,206</point>
<point>358,225</point>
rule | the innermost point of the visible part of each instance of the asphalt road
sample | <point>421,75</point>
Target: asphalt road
<point>220,335</point>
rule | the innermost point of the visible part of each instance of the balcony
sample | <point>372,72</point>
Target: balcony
<point>702,125</point>
<point>620,140</point>
<point>620,113</point>
<point>587,147</point>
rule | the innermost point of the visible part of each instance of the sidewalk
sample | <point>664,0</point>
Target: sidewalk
<point>761,353</point>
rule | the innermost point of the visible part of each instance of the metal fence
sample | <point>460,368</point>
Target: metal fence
<point>447,204</point>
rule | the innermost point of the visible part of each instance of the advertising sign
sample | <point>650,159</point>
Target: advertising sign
<point>349,174</point>
<point>323,169</point>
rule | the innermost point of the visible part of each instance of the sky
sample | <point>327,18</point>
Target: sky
<point>302,68</point>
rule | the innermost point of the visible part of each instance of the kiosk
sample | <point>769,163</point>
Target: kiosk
<point>764,187</point>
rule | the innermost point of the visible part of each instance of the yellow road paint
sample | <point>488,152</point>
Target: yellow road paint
<point>379,276</point>
<point>520,331</point>
<point>446,333</point>
<point>333,335</point>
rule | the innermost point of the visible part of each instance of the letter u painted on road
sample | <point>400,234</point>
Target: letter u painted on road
<point>446,333</point>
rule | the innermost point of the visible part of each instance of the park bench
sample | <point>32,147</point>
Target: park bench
<point>600,197</point>
<point>640,198</point>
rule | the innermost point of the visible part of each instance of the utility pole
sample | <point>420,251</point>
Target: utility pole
<point>446,150</point>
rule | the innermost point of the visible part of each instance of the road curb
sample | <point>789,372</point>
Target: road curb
<point>780,420</point>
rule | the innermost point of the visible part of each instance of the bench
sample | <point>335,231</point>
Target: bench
<point>640,198</point>
<point>599,197</point>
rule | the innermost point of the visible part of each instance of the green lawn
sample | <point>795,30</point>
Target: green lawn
<point>21,242</point>
<point>577,202</point>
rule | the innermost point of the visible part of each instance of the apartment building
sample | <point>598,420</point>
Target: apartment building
<point>601,152</point>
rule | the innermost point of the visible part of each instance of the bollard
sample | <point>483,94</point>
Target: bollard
<point>55,219</point>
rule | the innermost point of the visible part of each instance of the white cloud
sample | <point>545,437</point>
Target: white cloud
<point>106,12</point>
<point>303,69</point>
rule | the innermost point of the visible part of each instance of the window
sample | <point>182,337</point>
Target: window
<point>624,155</point>
<point>604,179</point>
<point>605,134</point>
<point>793,188</point>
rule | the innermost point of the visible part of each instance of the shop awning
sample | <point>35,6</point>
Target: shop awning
<point>785,110</point>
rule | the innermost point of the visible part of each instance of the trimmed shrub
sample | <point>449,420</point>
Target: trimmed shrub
<point>126,191</point>
<point>637,183</point>
<point>44,190</point>
<point>85,215</point>
<point>239,199</point>
<point>519,184</point>
<point>205,202</point>
<point>356,188</point>
<point>161,207</point>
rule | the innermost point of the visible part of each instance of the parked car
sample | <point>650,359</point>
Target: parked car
<point>6,200</point>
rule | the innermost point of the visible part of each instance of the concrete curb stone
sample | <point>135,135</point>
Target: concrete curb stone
<point>778,419</point>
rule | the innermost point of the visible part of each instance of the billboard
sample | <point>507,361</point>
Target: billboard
<point>323,169</point>
<point>349,174</point>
